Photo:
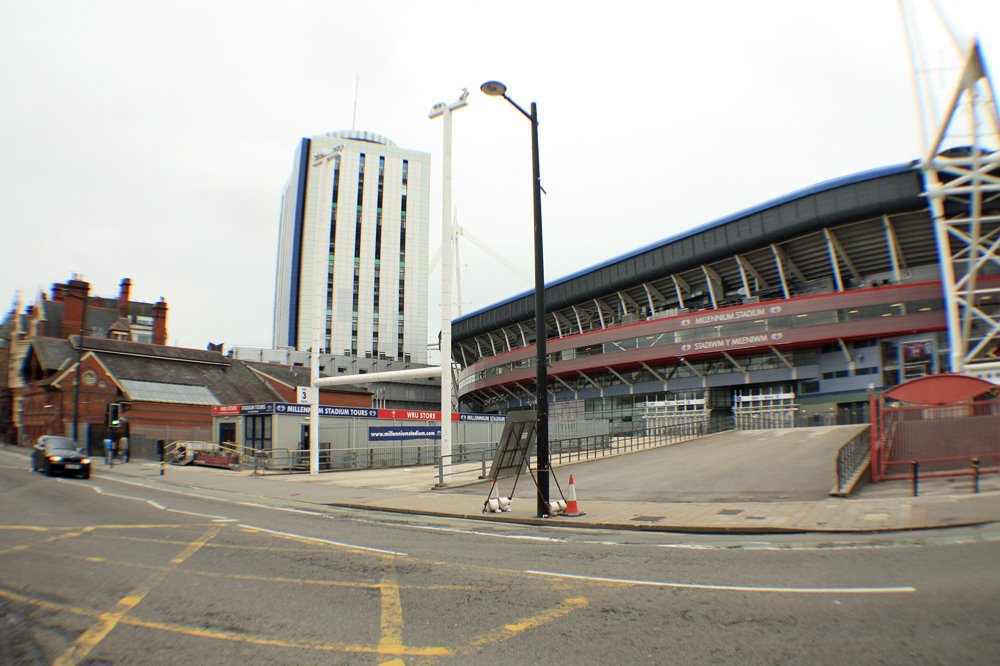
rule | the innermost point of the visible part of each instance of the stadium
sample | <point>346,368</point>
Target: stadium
<point>796,308</point>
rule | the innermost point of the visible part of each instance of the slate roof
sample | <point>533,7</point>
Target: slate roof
<point>293,375</point>
<point>99,318</point>
<point>52,353</point>
<point>228,379</point>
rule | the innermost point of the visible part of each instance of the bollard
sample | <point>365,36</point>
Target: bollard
<point>975,476</point>
<point>916,478</point>
<point>161,446</point>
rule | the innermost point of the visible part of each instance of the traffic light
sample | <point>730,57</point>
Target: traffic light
<point>114,415</point>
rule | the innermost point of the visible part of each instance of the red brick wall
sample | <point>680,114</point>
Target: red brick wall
<point>49,410</point>
<point>158,415</point>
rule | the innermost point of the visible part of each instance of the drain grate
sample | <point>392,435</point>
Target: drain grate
<point>648,519</point>
<point>729,512</point>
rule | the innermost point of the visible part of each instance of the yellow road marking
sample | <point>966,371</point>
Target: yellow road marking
<point>279,579</point>
<point>430,651</point>
<point>15,549</point>
<point>92,637</point>
<point>48,605</point>
<point>57,537</point>
<point>391,618</point>
<point>199,632</point>
<point>509,630</point>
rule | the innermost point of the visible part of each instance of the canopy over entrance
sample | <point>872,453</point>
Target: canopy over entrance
<point>939,389</point>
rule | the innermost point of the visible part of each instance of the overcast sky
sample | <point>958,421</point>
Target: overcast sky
<point>152,140</point>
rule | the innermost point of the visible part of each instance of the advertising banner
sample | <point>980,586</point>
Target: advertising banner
<point>397,433</point>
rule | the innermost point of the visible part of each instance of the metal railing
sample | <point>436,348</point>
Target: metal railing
<point>292,461</point>
<point>852,458</point>
<point>941,438</point>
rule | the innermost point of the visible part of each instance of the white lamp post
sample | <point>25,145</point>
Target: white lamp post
<point>320,266</point>
<point>447,269</point>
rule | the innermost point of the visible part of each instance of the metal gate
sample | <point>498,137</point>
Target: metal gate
<point>943,440</point>
<point>764,411</point>
<point>666,414</point>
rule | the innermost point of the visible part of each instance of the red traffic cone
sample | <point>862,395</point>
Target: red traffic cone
<point>572,509</point>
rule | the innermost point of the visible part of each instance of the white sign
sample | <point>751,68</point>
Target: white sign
<point>304,395</point>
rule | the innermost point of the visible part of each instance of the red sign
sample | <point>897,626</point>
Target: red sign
<point>225,410</point>
<point>409,415</point>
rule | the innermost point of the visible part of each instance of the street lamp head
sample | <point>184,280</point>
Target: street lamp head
<point>494,88</point>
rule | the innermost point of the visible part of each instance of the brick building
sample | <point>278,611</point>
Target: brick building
<point>69,309</point>
<point>163,392</point>
<point>117,347</point>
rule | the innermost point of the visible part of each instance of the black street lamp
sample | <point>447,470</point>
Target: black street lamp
<point>497,89</point>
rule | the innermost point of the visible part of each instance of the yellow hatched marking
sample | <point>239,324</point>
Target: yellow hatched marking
<point>14,549</point>
<point>92,637</point>
<point>280,579</point>
<point>429,651</point>
<point>48,605</point>
<point>199,632</point>
<point>510,630</point>
<point>58,537</point>
<point>391,620</point>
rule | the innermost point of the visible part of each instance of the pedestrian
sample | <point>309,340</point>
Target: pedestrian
<point>123,447</point>
<point>107,450</point>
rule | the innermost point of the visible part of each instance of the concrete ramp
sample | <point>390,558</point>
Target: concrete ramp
<point>767,465</point>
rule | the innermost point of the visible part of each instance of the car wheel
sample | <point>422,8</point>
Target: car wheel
<point>85,474</point>
<point>49,471</point>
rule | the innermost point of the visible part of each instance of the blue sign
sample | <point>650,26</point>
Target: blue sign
<point>326,410</point>
<point>258,408</point>
<point>489,418</point>
<point>384,433</point>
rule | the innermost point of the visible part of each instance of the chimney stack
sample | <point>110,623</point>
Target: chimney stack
<point>76,294</point>
<point>123,298</point>
<point>160,322</point>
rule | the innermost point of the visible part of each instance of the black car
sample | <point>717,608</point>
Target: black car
<point>59,455</point>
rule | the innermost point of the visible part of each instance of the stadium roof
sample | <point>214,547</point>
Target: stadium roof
<point>869,193</point>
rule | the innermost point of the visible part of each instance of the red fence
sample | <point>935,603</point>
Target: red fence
<point>945,440</point>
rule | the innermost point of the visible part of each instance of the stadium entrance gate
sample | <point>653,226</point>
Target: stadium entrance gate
<point>764,411</point>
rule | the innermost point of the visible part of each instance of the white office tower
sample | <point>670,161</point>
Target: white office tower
<point>352,251</point>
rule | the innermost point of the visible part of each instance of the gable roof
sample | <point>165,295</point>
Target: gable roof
<point>52,353</point>
<point>190,375</point>
<point>295,375</point>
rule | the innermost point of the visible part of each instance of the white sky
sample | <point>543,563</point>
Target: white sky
<point>152,139</point>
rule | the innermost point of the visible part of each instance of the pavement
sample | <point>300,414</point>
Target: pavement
<point>878,508</point>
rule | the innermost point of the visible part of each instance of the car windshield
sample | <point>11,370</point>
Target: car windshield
<point>63,452</point>
<point>64,444</point>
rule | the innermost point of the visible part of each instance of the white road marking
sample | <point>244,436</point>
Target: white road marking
<point>279,508</point>
<point>215,518</point>
<point>326,541</point>
<point>433,528</point>
<point>730,588</point>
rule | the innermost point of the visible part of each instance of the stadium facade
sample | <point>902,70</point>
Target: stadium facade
<point>808,302</point>
<point>352,249</point>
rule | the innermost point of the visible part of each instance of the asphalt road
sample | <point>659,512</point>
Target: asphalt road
<point>769,465</point>
<point>104,572</point>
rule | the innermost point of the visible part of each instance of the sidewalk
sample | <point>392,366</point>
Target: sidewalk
<point>885,507</point>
